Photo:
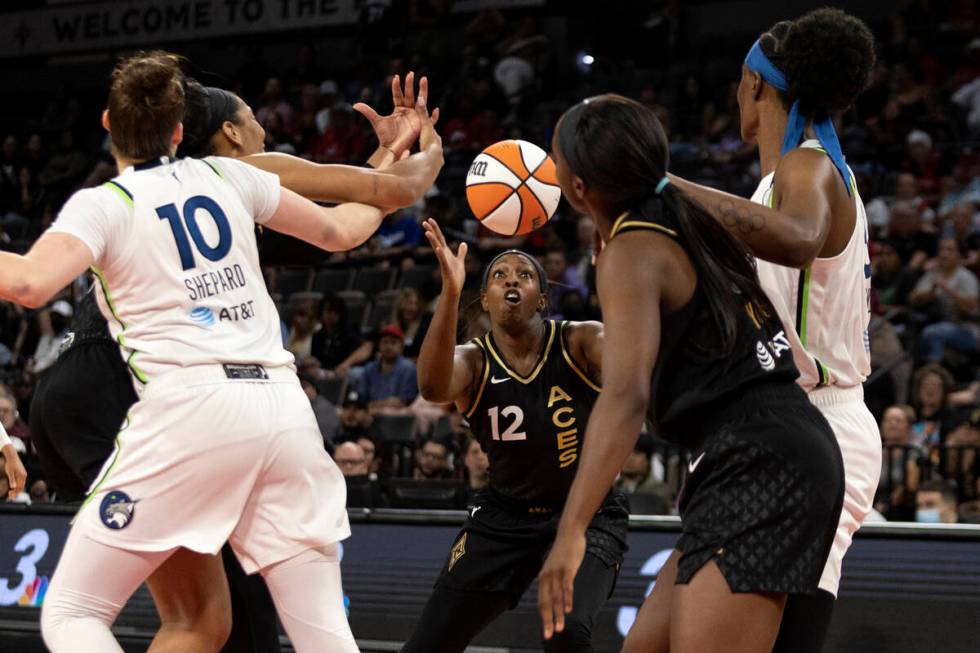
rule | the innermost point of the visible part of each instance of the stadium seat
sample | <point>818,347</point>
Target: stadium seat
<point>371,281</point>
<point>416,276</point>
<point>331,389</point>
<point>357,306</point>
<point>380,313</point>
<point>396,428</point>
<point>288,281</point>
<point>428,495</point>
<point>333,280</point>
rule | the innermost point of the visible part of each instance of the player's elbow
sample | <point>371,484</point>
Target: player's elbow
<point>29,294</point>
<point>433,391</point>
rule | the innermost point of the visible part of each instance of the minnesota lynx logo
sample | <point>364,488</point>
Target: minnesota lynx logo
<point>458,551</point>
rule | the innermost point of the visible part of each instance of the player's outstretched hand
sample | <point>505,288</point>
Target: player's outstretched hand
<point>14,469</point>
<point>398,131</point>
<point>557,579</point>
<point>452,266</point>
<point>428,136</point>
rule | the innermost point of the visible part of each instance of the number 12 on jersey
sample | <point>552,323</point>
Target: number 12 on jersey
<point>511,434</point>
<point>188,224</point>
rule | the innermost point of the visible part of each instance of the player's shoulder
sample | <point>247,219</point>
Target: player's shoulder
<point>107,196</point>
<point>801,164</point>
<point>583,332</point>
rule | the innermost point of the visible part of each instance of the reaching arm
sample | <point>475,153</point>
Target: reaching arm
<point>791,235</point>
<point>630,297</point>
<point>51,264</point>
<point>335,229</point>
<point>446,372</point>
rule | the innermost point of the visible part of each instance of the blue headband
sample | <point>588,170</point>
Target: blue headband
<point>758,62</point>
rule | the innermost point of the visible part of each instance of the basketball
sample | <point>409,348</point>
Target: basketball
<point>512,187</point>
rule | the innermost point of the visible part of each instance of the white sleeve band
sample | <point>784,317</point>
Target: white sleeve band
<point>4,438</point>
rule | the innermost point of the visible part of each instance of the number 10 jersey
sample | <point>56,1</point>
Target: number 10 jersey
<point>177,265</point>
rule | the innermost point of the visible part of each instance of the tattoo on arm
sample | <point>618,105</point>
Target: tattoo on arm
<point>742,220</point>
<point>376,186</point>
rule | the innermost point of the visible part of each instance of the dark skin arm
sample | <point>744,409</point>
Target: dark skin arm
<point>631,297</point>
<point>799,228</point>
<point>446,372</point>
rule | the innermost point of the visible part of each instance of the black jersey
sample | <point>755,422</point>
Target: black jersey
<point>532,427</point>
<point>688,384</point>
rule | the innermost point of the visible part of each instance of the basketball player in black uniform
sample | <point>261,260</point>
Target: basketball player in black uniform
<point>692,343</point>
<point>80,403</point>
<point>527,388</point>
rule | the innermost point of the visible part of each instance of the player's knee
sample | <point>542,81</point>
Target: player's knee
<point>67,625</point>
<point>208,618</point>
<point>576,637</point>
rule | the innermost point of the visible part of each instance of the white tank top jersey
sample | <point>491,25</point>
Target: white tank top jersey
<point>177,263</point>
<point>825,308</point>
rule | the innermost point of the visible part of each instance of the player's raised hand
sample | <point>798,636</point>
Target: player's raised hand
<point>427,132</point>
<point>14,469</point>
<point>452,266</point>
<point>398,131</point>
<point>557,580</point>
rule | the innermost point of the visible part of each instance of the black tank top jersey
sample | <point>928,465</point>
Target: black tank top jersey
<point>688,384</point>
<point>532,428</point>
<point>88,320</point>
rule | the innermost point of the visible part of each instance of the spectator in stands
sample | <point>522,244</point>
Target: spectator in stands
<point>398,236</point>
<point>930,388</point>
<point>432,461</point>
<point>408,315</point>
<point>914,243</point>
<point>39,492</point>
<point>390,381</point>
<point>65,170</point>
<point>899,464</point>
<point>647,494</point>
<point>951,293</point>
<point>892,280</point>
<point>53,324</point>
<point>338,344</point>
<point>355,419</point>
<point>328,98</point>
<point>301,325</point>
<point>935,503</point>
<point>272,103</point>
<point>561,279</point>
<point>19,434</point>
<point>962,447</point>
<point>370,445</point>
<point>923,162</point>
<point>962,228</point>
<point>907,192</point>
<point>343,141</point>
<point>477,466</point>
<point>350,457</point>
<point>326,413</point>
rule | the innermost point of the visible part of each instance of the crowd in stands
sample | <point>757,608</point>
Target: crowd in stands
<point>355,321</point>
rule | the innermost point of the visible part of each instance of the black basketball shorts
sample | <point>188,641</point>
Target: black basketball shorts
<point>763,495</point>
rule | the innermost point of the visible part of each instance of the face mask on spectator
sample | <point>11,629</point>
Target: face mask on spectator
<point>930,516</point>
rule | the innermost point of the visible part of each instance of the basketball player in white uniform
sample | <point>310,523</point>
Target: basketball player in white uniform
<point>811,244</point>
<point>222,444</point>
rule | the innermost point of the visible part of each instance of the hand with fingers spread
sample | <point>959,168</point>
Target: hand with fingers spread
<point>398,131</point>
<point>14,469</point>
<point>452,266</point>
<point>556,581</point>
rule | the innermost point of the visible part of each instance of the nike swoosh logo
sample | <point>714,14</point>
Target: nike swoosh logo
<point>494,379</point>
<point>691,466</point>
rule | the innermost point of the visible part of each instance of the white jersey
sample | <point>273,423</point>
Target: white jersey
<point>825,308</point>
<point>177,263</point>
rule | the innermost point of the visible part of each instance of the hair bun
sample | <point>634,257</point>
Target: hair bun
<point>827,56</point>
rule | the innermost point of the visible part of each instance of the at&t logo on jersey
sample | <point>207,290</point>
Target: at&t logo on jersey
<point>778,345</point>
<point>117,510</point>
<point>202,316</point>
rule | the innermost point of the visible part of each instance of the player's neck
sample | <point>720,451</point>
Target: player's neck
<point>772,128</point>
<point>521,343</point>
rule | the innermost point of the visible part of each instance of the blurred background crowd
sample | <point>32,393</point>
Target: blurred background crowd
<point>355,321</point>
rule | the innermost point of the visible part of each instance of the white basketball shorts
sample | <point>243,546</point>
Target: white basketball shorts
<point>203,459</point>
<point>860,445</point>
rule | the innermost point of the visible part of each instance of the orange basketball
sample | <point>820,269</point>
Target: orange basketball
<point>512,187</point>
